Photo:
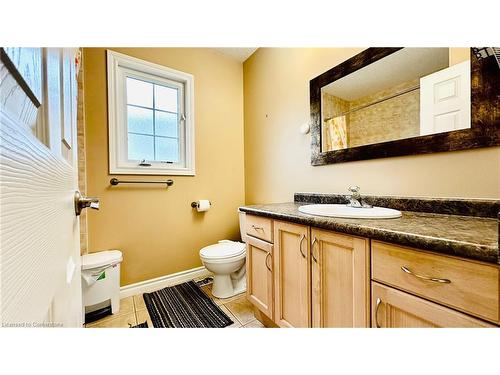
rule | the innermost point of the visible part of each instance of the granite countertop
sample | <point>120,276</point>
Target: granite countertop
<point>465,236</point>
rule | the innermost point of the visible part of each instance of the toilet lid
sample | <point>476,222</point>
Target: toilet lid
<point>101,258</point>
<point>223,250</point>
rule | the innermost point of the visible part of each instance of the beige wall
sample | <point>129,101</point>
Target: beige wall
<point>277,156</point>
<point>157,230</point>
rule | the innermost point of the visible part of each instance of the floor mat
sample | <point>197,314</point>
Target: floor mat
<point>184,306</point>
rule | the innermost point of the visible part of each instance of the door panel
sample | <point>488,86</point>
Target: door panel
<point>54,99</point>
<point>40,253</point>
<point>291,275</point>
<point>22,106</point>
<point>340,280</point>
<point>445,100</point>
<point>69,106</point>
<point>259,275</point>
<point>392,308</point>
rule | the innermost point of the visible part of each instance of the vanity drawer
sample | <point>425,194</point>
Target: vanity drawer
<point>468,286</point>
<point>259,227</point>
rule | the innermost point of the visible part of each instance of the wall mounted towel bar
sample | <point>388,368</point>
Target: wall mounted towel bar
<point>115,181</point>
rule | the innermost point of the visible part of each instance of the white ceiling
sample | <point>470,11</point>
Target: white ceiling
<point>240,54</point>
<point>401,66</point>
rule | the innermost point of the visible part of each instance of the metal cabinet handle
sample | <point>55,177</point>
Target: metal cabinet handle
<point>377,305</point>
<point>300,245</point>
<point>312,249</point>
<point>427,278</point>
<point>256,227</point>
<point>267,265</point>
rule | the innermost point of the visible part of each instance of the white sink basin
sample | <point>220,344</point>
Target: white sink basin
<point>344,211</point>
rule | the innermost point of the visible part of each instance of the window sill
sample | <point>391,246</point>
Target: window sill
<point>153,171</point>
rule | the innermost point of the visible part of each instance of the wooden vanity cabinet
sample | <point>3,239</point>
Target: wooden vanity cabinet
<point>340,280</point>
<point>292,306</point>
<point>310,277</point>
<point>392,308</point>
<point>260,275</point>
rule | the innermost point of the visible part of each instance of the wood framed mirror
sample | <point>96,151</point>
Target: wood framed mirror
<point>396,101</point>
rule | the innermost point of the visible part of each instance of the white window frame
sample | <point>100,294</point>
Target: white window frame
<point>121,66</point>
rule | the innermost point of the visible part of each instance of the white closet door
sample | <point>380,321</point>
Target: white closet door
<point>39,231</point>
<point>445,100</point>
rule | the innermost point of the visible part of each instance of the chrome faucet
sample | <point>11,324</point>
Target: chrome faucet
<point>355,198</point>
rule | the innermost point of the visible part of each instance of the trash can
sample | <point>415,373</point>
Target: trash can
<point>101,280</point>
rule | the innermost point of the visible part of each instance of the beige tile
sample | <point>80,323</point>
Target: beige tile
<point>120,321</point>
<point>241,309</point>
<point>139,302</point>
<point>236,323</point>
<point>142,316</point>
<point>254,324</point>
<point>126,306</point>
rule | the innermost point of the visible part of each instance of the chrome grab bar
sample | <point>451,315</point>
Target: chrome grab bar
<point>427,278</point>
<point>115,181</point>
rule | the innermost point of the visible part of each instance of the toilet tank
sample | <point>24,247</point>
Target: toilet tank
<point>242,226</point>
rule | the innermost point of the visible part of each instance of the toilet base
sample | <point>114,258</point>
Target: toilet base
<point>224,286</point>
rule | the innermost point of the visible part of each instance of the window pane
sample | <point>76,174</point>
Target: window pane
<point>140,147</point>
<point>139,92</point>
<point>167,149</point>
<point>166,98</point>
<point>166,124</point>
<point>140,120</point>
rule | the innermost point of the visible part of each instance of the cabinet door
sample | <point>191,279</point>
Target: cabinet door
<point>340,280</point>
<point>392,308</point>
<point>291,275</point>
<point>259,275</point>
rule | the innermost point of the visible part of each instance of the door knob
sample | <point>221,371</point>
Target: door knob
<point>82,202</point>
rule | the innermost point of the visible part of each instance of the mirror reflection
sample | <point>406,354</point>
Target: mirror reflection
<point>409,93</point>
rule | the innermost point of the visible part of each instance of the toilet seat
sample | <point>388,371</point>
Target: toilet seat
<point>223,251</point>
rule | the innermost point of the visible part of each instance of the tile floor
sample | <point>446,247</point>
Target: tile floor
<point>133,311</point>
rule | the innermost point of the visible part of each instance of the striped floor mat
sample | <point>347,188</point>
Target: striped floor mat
<point>184,306</point>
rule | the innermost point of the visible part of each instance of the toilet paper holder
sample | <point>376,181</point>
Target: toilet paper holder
<point>196,205</point>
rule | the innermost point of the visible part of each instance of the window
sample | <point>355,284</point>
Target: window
<point>151,124</point>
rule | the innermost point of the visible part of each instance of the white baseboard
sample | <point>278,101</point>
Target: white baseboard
<point>163,281</point>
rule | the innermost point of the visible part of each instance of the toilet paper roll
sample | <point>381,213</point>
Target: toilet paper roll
<point>203,205</point>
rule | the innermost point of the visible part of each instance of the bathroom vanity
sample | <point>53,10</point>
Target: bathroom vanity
<point>435,266</point>
<point>435,263</point>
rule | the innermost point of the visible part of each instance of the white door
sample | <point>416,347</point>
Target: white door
<point>445,100</point>
<point>40,245</point>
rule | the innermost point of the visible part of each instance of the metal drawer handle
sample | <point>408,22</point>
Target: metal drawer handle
<point>434,279</point>
<point>300,245</point>
<point>312,250</point>
<point>267,265</point>
<point>377,305</point>
<point>256,227</point>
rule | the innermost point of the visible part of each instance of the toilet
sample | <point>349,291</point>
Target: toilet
<point>226,260</point>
